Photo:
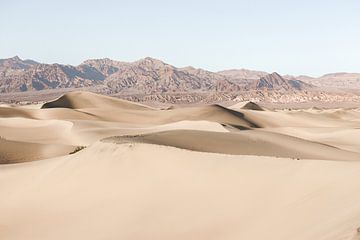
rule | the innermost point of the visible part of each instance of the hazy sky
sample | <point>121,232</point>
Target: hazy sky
<point>291,37</point>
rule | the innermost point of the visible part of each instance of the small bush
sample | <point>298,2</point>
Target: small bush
<point>77,149</point>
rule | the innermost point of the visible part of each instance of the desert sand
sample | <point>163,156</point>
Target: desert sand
<point>87,166</point>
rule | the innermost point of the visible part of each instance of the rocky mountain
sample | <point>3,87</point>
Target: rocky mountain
<point>144,76</point>
<point>337,80</point>
<point>340,80</point>
<point>276,82</point>
<point>15,63</point>
<point>23,75</point>
<point>243,74</point>
<point>152,76</point>
<point>104,66</point>
<point>243,77</point>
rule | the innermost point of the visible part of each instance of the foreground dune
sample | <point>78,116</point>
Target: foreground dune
<point>243,143</point>
<point>86,166</point>
<point>117,191</point>
<point>15,152</point>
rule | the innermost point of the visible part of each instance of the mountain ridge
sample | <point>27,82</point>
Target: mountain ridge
<point>147,75</point>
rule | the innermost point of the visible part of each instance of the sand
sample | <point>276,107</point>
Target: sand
<point>204,172</point>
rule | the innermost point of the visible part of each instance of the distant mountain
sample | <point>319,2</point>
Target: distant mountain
<point>104,66</point>
<point>276,82</point>
<point>152,76</point>
<point>23,75</point>
<point>15,63</point>
<point>243,74</point>
<point>340,80</point>
<point>303,78</point>
<point>147,75</point>
<point>337,80</point>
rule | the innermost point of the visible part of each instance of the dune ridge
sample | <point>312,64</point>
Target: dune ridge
<point>257,143</point>
<point>81,99</point>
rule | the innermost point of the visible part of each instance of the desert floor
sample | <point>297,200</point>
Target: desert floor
<point>86,166</point>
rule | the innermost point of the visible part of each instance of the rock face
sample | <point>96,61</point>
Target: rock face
<point>154,76</point>
<point>147,76</point>
<point>276,82</point>
<point>23,75</point>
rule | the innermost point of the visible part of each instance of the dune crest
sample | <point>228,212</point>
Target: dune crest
<point>80,99</point>
<point>257,143</point>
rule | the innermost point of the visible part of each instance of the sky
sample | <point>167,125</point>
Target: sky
<point>290,37</point>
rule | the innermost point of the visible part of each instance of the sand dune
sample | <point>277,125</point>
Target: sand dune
<point>16,152</point>
<point>89,106</point>
<point>125,194</point>
<point>247,105</point>
<point>89,132</point>
<point>36,131</point>
<point>258,143</point>
<point>340,137</point>
<point>214,113</point>
<point>46,114</point>
<point>81,118</point>
<point>203,172</point>
<point>76,100</point>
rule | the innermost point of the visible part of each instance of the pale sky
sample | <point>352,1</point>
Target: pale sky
<point>290,37</point>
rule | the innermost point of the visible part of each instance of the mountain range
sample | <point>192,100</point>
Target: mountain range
<point>147,75</point>
<point>153,77</point>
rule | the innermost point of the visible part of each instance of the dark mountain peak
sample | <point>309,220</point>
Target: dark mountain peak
<point>271,80</point>
<point>275,81</point>
<point>16,63</point>
<point>16,58</point>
